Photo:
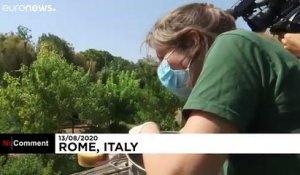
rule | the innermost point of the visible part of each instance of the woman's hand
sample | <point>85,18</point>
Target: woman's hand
<point>148,127</point>
<point>291,41</point>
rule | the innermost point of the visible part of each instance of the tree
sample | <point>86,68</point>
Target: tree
<point>156,102</point>
<point>47,95</point>
<point>115,100</point>
<point>146,69</point>
<point>93,60</point>
<point>23,33</point>
<point>14,51</point>
<point>56,44</point>
<point>96,60</point>
<point>119,64</point>
<point>27,165</point>
<point>10,121</point>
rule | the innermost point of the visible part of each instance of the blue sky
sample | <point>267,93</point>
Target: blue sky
<point>118,26</point>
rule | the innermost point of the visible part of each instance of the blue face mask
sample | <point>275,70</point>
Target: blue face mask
<point>174,80</point>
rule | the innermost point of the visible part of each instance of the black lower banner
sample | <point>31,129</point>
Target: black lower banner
<point>27,143</point>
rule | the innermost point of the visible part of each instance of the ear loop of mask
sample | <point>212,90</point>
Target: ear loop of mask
<point>168,54</point>
<point>188,66</point>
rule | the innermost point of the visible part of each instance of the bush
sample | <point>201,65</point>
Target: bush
<point>27,165</point>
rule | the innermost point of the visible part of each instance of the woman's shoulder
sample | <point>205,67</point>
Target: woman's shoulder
<point>243,35</point>
<point>245,42</point>
<point>262,40</point>
<point>239,38</point>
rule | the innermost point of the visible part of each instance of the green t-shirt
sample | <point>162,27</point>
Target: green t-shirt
<point>255,83</point>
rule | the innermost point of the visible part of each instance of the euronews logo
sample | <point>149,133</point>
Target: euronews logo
<point>28,8</point>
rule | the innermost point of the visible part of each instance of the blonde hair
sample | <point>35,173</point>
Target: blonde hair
<point>170,30</point>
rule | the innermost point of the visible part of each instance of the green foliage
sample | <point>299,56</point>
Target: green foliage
<point>122,93</point>
<point>47,94</point>
<point>64,164</point>
<point>96,60</point>
<point>23,33</point>
<point>56,44</point>
<point>14,51</point>
<point>90,56</point>
<point>39,164</point>
<point>159,106</point>
<point>27,165</point>
<point>109,93</point>
<point>120,64</point>
<point>114,100</point>
<point>10,100</point>
<point>156,102</point>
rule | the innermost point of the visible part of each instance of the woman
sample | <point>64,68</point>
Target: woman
<point>234,81</point>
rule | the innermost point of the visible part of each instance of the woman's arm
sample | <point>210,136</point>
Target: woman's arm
<point>190,164</point>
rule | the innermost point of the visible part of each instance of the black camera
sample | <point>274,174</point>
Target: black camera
<point>280,16</point>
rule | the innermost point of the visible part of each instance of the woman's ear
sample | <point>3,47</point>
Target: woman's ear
<point>194,35</point>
